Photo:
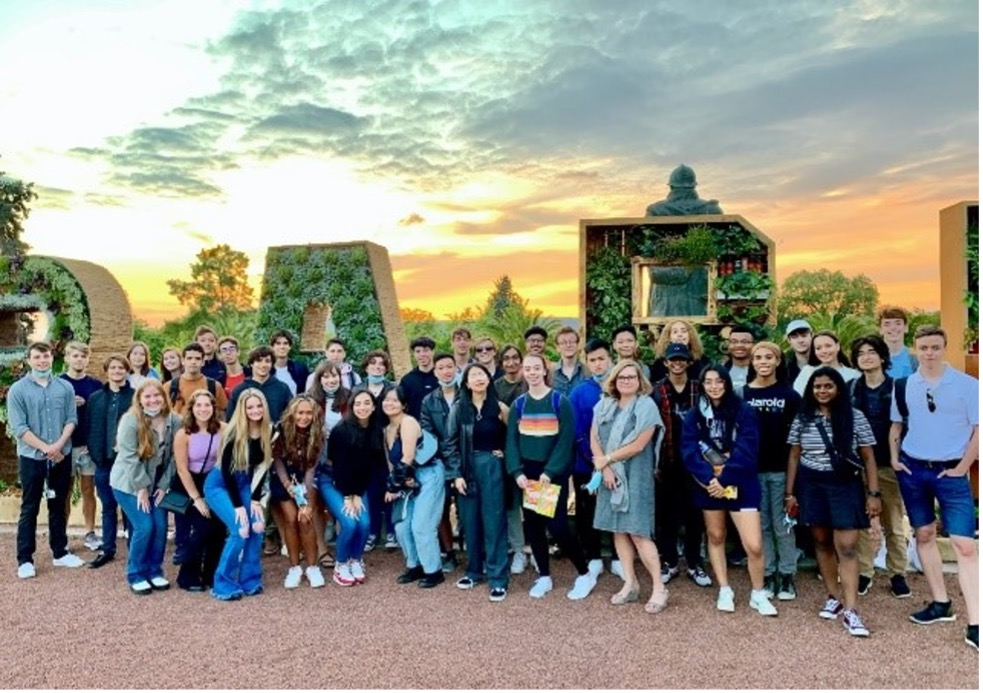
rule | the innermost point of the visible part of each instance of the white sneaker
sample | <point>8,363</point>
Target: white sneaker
<point>26,570</point>
<point>92,542</point>
<point>358,571</point>
<point>69,560</point>
<point>314,576</point>
<point>292,581</point>
<point>582,586</point>
<point>518,563</point>
<point>541,587</point>
<point>283,550</point>
<point>595,567</point>
<point>616,569</point>
<point>760,603</point>
<point>725,600</point>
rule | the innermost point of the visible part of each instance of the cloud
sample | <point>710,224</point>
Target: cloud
<point>412,220</point>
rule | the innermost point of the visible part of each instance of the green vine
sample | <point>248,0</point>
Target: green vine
<point>298,277</point>
<point>608,292</point>
<point>972,297</point>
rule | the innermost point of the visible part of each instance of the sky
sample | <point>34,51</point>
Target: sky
<point>470,137</point>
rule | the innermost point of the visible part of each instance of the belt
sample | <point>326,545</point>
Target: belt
<point>933,464</point>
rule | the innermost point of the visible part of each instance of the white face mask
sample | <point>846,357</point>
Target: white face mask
<point>151,412</point>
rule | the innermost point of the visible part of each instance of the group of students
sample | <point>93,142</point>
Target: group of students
<point>650,451</point>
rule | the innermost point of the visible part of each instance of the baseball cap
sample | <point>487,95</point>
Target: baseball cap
<point>797,325</point>
<point>677,351</point>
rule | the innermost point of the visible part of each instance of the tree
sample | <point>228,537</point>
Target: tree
<point>218,282</point>
<point>15,196</point>
<point>807,293</point>
<point>502,297</point>
<point>416,315</point>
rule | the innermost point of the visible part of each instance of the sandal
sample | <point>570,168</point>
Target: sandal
<point>657,603</point>
<point>326,560</point>
<point>621,598</point>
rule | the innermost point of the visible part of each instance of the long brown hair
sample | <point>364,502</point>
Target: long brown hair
<point>190,423</point>
<point>289,433</point>
<point>146,447</point>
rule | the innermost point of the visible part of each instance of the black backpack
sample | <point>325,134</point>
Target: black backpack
<point>176,388</point>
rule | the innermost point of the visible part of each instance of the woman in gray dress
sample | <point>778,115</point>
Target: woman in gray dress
<point>626,430</point>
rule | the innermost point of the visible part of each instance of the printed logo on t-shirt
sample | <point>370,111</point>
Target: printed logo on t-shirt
<point>771,405</point>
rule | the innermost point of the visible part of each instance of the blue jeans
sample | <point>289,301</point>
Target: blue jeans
<point>239,571</point>
<point>148,538</point>
<point>353,531</point>
<point>110,510</point>
<point>773,531</point>
<point>923,486</point>
<point>417,534</point>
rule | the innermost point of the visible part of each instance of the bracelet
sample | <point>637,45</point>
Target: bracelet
<point>789,496</point>
<point>873,494</point>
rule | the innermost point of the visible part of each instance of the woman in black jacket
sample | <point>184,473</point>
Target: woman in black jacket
<point>473,453</point>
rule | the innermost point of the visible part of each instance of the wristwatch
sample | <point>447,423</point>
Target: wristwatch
<point>874,494</point>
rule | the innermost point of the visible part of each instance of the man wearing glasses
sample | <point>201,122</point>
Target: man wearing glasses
<point>739,345</point>
<point>235,372</point>
<point>932,461</point>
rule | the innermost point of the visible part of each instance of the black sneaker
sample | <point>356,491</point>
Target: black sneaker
<point>935,612</point>
<point>431,580</point>
<point>410,575</point>
<point>669,572</point>
<point>497,594</point>
<point>973,636</point>
<point>863,585</point>
<point>786,588</point>
<point>899,587</point>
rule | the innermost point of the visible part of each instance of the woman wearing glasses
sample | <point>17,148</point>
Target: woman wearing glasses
<point>825,486</point>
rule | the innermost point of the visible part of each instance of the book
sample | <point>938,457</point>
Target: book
<point>541,498</point>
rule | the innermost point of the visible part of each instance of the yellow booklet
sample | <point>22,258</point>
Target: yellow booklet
<point>542,499</point>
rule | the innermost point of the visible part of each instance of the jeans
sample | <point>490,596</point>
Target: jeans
<point>352,531</point>
<point>417,534</point>
<point>892,524</point>
<point>148,538</point>
<point>675,509</point>
<point>378,508</point>
<point>32,476</point>
<point>239,571</point>
<point>923,486</point>
<point>513,514</point>
<point>110,510</point>
<point>482,511</point>
<point>774,533</point>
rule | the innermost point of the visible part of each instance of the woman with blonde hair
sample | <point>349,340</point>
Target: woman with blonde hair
<point>170,364</point>
<point>626,428</point>
<point>139,358</point>
<point>297,451</point>
<point>140,477</point>
<point>237,491</point>
<point>196,447</point>
<point>679,332</point>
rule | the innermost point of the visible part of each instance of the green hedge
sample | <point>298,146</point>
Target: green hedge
<point>341,277</point>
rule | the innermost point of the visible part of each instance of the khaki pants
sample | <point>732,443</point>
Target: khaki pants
<point>892,522</point>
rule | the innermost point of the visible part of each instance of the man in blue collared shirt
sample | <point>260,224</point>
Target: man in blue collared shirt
<point>42,414</point>
<point>932,462</point>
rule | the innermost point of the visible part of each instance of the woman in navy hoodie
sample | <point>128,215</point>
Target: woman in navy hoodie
<point>720,449</point>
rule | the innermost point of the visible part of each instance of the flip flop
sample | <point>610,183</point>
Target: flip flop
<point>326,560</point>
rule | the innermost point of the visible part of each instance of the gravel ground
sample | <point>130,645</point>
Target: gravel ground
<point>83,629</point>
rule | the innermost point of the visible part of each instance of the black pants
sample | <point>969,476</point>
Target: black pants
<point>675,510</point>
<point>590,538</point>
<point>535,527</point>
<point>202,549</point>
<point>32,475</point>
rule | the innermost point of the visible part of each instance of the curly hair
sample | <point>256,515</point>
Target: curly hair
<point>695,344</point>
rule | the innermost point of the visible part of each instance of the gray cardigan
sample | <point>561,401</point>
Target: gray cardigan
<point>130,473</point>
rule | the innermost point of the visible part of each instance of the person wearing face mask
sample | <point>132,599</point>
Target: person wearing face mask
<point>679,332</point>
<point>140,477</point>
<point>720,450</point>
<point>106,408</point>
<point>583,398</point>
<point>377,365</point>
<point>42,415</point>
<point>770,395</point>
<point>434,412</point>
<point>420,381</point>
<point>826,351</point>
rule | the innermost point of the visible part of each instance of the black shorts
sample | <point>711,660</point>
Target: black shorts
<point>828,500</point>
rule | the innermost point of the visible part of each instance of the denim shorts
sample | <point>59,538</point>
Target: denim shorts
<point>924,486</point>
<point>830,500</point>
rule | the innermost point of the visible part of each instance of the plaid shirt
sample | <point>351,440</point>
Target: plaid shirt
<point>662,393</point>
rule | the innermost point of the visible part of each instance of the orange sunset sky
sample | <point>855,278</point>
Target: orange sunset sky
<point>469,138</point>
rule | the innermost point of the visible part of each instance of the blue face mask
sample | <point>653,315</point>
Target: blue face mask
<point>602,376</point>
<point>35,373</point>
<point>447,383</point>
<point>376,379</point>
<point>330,391</point>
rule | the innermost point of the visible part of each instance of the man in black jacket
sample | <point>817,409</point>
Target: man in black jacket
<point>420,381</point>
<point>434,411</point>
<point>106,407</point>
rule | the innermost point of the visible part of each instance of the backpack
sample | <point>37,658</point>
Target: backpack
<point>176,389</point>
<point>901,398</point>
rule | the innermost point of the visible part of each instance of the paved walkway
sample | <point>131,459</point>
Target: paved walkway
<point>83,629</point>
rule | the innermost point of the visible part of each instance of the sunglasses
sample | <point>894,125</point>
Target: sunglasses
<point>483,349</point>
<point>931,402</point>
